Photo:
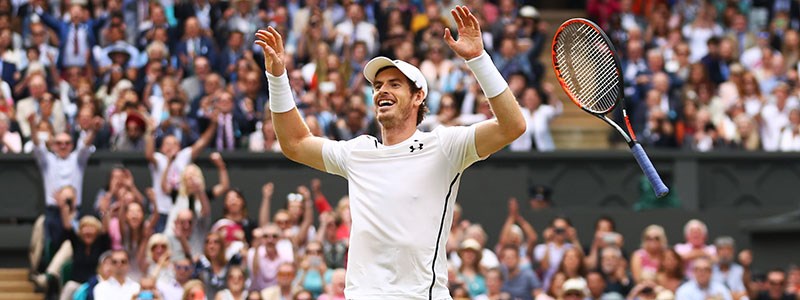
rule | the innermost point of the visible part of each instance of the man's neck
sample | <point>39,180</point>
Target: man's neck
<point>120,279</point>
<point>395,135</point>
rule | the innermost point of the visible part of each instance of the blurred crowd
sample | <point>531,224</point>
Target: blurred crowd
<point>120,66</point>
<point>176,78</point>
<point>708,74</point>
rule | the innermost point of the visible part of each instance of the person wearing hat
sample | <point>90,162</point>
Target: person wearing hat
<point>575,289</point>
<point>403,188</point>
<point>470,272</point>
<point>133,137</point>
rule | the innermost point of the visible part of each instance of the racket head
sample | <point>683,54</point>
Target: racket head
<point>587,67</point>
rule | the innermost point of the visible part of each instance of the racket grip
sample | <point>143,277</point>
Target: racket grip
<point>650,171</point>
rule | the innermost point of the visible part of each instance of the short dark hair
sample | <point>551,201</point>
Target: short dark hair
<point>423,108</point>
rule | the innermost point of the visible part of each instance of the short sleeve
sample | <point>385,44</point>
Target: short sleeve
<point>458,144</point>
<point>334,154</point>
<point>184,157</point>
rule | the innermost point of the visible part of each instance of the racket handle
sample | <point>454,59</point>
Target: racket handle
<point>648,169</point>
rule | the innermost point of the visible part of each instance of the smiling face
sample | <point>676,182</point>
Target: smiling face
<point>393,98</point>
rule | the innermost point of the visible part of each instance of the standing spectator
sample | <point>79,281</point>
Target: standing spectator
<point>775,116</point>
<point>170,161</point>
<point>726,271</point>
<point>790,135</point>
<point>265,259</point>
<point>62,167</point>
<point>700,30</point>
<point>188,235</point>
<point>517,232</point>
<point>228,123</point>
<point>695,232</point>
<point>520,283</point>
<point>119,286</point>
<point>88,243</point>
<point>77,35</point>
<point>355,28</point>
<point>538,116</point>
<point>285,287</point>
<point>85,121</point>
<point>646,261</point>
<point>701,286</point>
<point>558,237</point>
<point>10,142</point>
<point>133,138</point>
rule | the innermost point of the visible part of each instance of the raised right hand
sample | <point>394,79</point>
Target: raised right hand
<point>271,43</point>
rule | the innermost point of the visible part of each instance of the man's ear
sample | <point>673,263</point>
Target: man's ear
<point>419,97</point>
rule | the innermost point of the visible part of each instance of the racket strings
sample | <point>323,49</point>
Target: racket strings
<point>589,69</point>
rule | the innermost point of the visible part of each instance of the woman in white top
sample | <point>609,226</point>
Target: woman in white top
<point>700,31</point>
<point>235,283</point>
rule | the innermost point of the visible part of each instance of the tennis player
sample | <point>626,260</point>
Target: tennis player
<point>402,191</point>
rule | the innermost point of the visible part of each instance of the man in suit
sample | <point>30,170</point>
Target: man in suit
<point>86,122</point>
<point>738,32</point>
<point>232,124</point>
<point>39,106</point>
<point>194,44</point>
<point>8,71</point>
<point>77,35</point>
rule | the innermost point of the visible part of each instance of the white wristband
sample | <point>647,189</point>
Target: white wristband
<point>280,93</point>
<point>492,83</point>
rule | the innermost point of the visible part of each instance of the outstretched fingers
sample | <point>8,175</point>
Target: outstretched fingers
<point>278,38</point>
<point>457,17</point>
<point>448,37</point>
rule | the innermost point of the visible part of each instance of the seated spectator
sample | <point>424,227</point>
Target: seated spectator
<point>314,272</point>
<point>494,286</point>
<point>554,291</point>
<point>575,289</point>
<point>696,233</point>
<point>604,236</point>
<point>776,287</point>
<point>615,271</point>
<point>212,266</point>
<point>132,139</point>
<point>489,259</point>
<point>285,287</point>
<point>38,107</point>
<point>334,250</point>
<point>171,287</point>
<point>519,283</point>
<point>726,271</point>
<point>264,259</point>
<point>597,287</point>
<point>230,124</point>
<point>147,290</point>
<point>235,283</point>
<point>701,286</point>
<point>10,142</point>
<point>646,261</point>
<point>157,260</point>
<point>178,124</point>
<point>264,139</point>
<point>335,291</point>
<point>119,286</point>
<point>670,272</point>
<point>193,289</point>
<point>470,272</point>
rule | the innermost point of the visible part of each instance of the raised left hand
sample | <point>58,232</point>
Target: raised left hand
<point>470,41</point>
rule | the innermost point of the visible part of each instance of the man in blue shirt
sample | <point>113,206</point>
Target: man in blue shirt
<point>726,271</point>
<point>520,283</point>
<point>701,287</point>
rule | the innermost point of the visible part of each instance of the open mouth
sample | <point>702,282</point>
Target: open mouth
<point>385,103</point>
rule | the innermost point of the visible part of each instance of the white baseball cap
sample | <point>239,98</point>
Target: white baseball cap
<point>413,74</point>
<point>575,284</point>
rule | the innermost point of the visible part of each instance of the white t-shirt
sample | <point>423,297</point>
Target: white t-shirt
<point>401,201</point>
<point>182,159</point>
<point>112,289</point>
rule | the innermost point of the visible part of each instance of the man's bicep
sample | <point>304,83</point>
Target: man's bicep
<point>310,152</point>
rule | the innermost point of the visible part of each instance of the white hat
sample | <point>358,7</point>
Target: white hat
<point>575,284</point>
<point>414,74</point>
<point>528,11</point>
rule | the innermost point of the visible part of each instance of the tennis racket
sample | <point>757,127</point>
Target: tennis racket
<point>589,71</point>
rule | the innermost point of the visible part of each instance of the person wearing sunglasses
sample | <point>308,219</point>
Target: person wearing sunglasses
<point>776,287</point>
<point>264,260</point>
<point>119,286</point>
<point>171,287</point>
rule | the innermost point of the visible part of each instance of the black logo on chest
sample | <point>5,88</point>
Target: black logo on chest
<point>417,148</point>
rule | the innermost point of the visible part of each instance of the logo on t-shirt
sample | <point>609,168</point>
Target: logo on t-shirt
<point>415,148</point>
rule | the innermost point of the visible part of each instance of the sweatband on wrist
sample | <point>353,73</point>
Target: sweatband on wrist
<point>489,78</point>
<point>280,93</point>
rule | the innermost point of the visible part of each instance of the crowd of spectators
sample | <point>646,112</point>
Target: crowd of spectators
<point>175,78</point>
